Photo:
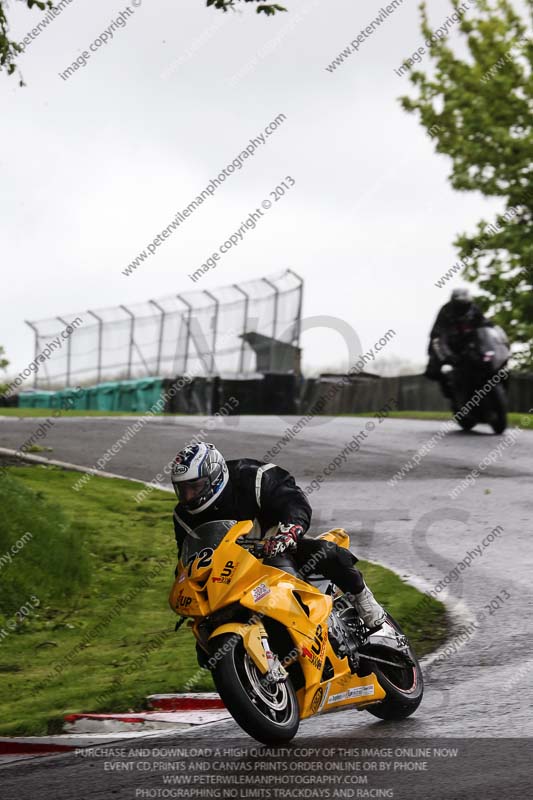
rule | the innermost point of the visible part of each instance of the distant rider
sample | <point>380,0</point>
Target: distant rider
<point>209,488</point>
<point>451,332</point>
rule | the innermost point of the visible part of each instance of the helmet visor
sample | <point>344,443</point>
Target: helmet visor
<point>189,492</point>
<point>461,307</point>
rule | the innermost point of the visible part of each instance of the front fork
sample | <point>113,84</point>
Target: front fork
<point>276,671</point>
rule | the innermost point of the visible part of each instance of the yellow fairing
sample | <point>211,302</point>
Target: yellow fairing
<point>337,535</point>
<point>231,575</point>
<point>342,690</point>
<point>251,637</point>
<point>234,575</point>
<point>200,589</point>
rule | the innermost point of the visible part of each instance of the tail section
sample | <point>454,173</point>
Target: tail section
<point>337,535</point>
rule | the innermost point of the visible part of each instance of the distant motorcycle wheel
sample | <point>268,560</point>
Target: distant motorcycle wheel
<point>401,680</point>
<point>498,409</point>
<point>268,712</point>
<point>466,423</point>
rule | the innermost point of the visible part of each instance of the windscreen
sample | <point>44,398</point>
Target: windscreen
<point>495,341</point>
<point>493,336</point>
<point>210,534</point>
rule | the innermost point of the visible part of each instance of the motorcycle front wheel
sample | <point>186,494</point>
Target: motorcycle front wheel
<point>267,712</point>
<point>466,421</point>
<point>497,401</point>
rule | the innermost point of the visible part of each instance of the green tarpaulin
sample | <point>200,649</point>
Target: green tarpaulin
<point>135,396</point>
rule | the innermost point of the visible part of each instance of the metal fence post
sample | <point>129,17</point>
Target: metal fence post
<point>215,330</point>
<point>132,331</point>
<point>100,335</point>
<point>244,323</point>
<point>65,323</point>
<point>274,318</point>
<point>161,327</point>
<point>172,336</point>
<point>187,343</point>
<point>296,338</point>
<point>35,348</point>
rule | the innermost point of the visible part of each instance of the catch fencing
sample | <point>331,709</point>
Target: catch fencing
<point>196,333</point>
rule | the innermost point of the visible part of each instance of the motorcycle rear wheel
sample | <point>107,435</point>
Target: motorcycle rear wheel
<point>268,713</point>
<point>403,684</point>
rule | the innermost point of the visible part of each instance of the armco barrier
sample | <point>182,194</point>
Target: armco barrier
<point>268,394</point>
<point>409,392</point>
<point>279,392</point>
<point>332,396</point>
<point>11,401</point>
<point>417,393</point>
<point>521,392</point>
<point>275,393</point>
<point>194,397</point>
<point>247,393</point>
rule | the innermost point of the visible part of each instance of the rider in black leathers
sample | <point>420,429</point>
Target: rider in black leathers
<point>451,332</point>
<point>209,488</point>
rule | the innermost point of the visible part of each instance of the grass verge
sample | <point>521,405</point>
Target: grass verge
<point>112,641</point>
<point>514,419</point>
<point>42,556</point>
<point>76,412</point>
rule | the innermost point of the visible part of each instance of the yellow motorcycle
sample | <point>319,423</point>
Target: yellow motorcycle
<point>282,649</point>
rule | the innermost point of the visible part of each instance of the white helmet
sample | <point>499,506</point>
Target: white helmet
<point>199,475</point>
<point>462,295</point>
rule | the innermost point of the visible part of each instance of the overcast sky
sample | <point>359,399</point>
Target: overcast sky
<point>93,167</point>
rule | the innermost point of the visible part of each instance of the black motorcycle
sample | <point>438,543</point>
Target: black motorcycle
<point>476,397</point>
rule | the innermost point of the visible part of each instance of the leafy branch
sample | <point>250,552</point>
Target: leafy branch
<point>477,106</point>
<point>10,50</point>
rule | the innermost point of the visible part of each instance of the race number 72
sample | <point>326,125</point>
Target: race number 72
<point>204,557</point>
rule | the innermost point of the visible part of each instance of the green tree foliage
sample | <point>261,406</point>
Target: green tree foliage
<point>266,8</point>
<point>4,363</point>
<point>478,108</point>
<point>9,49</point>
